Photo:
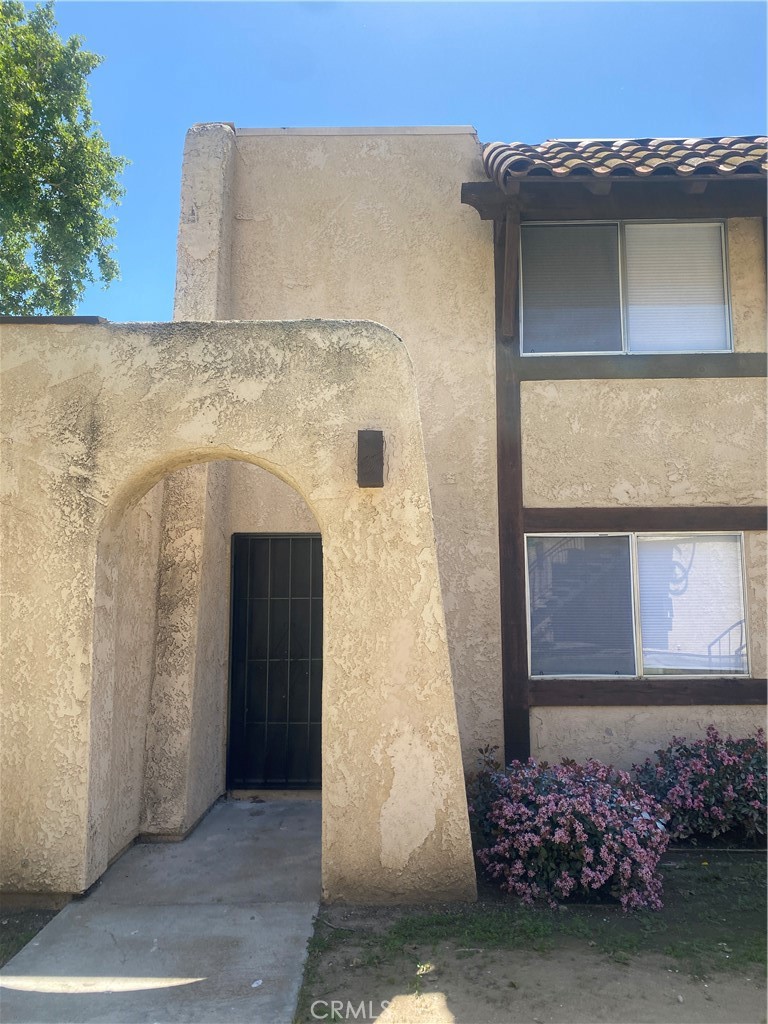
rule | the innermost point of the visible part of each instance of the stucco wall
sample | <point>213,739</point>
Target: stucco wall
<point>603,443</point>
<point>657,442</point>
<point>186,731</point>
<point>366,225</point>
<point>169,723</point>
<point>135,608</point>
<point>203,256</point>
<point>259,502</point>
<point>746,259</point>
<point>350,223</point>
<point>206,777</point>
<point>626,736</point>
<point>92,418</point>
<point>756,571</point>
<point>637,442</point>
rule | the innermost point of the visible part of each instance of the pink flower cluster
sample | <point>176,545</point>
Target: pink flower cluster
<point>710,786</point>
<point>568,830</point>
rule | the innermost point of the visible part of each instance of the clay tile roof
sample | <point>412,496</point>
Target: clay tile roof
<point>614,158</point>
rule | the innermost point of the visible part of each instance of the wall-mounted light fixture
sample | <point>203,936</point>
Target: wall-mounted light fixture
<point>370,458</point>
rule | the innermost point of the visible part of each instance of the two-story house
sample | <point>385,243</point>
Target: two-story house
<point>302,549</point>
<point>590,360</point>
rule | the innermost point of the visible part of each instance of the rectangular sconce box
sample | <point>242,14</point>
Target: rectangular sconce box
<point>370,458</point>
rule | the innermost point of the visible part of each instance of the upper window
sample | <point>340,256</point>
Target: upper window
<point>623,287</point>
<point>636,605</point>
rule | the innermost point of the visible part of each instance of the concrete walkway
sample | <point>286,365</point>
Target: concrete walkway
<point>180,932</point>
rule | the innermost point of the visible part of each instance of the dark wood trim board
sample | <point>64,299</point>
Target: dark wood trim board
<point>645,520</point>
<point>668,690</point>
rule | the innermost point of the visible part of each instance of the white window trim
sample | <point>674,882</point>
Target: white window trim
<point>635,591</point>
<point>625,350</point>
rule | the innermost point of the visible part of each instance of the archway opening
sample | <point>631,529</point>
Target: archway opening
<point>208,649</point>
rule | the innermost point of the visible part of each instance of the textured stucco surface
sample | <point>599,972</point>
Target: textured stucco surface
<point>746,259</point>
<point>93,417</point>
<point>259,502</point>
<point>366,226</point>
<point>639,442</point>
<point>206,777</point>
<point>756,572</point>
<point>370,226</point>
<point>186,726</point>
<point>203,255</point>
<point>626,736</point>
<point>135,595</point>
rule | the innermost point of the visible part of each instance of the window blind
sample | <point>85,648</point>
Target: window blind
<point>570,288</point>
<point>675,294</point>
<point>580,606</point>
<point>692,604</point>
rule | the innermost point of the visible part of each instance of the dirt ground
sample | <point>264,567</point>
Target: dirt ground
<point>701,960</point>
<point>18,925</point>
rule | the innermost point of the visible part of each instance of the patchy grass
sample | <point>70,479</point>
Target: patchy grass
<point>713,921</point>
<point>18,927</point>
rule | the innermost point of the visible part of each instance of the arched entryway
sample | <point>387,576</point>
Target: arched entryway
<point>209,606</point>
<point>97,415</point>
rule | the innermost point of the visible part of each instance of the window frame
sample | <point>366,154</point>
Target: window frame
<point>635,595</point>
<point>622,276</point>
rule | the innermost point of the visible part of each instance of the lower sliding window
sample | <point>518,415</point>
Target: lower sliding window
<point>636,605</point>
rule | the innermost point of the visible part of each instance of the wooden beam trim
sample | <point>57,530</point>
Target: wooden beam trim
<point>649,519</point>
<point>511,272</point>
<point>597,186</point>
<point>514,644</point>
<point>669,691</point>
<point>568,199</point>
<point>683,366</point>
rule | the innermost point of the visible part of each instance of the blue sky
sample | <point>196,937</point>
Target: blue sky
<point>516,71</point>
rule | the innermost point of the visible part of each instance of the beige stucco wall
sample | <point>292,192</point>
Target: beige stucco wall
<point>204,249</point>
<point>169,722</point>
<point>371,226</point>
<point>746,272</point>
<point>206,777</point>
<point>756,571</point>
<point>259,502</point>
<point>186,728</point>
<point>92,418</point>
<point>626,736</point>
<point>134,586</point>
<point>171,655</point>
<point>604,443</point>
<point>657,442</point>
<point>599,443</point>
<point>353,223</point>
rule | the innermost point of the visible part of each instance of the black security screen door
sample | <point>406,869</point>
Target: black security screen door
<point>276,661</point>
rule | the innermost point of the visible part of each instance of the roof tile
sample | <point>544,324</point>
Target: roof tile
<point>601,158</point>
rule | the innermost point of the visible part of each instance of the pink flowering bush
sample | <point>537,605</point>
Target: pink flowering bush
<point>710,786</point>
<point>550,832</point>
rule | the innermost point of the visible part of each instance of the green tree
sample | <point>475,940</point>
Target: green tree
<point>57,174</point>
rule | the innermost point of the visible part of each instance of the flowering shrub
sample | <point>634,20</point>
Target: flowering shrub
<point>710,786</point>
<point>553,832</point>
